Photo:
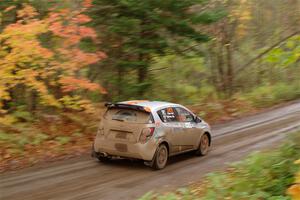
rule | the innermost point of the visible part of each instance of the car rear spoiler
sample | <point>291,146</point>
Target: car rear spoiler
<point>128,106</point>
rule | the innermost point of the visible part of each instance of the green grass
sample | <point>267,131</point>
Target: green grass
<point>260,176</point>
<point>268,95</point>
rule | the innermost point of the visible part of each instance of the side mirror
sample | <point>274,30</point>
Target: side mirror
<point>197,119</point>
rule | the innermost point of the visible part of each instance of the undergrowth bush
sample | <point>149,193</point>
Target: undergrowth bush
<point>269,95</point>
<point>260,176</point>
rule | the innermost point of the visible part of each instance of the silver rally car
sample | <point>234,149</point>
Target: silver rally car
<point>151,131</point>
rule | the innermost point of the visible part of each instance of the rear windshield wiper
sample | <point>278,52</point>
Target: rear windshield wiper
<point>121,120</point>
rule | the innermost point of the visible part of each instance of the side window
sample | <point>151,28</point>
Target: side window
<point>167,115</point>
<point>184,115</point>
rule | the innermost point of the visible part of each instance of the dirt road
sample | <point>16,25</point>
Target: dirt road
<point>85,178</point>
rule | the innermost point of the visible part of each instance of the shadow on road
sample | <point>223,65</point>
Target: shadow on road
<point>139,164</point>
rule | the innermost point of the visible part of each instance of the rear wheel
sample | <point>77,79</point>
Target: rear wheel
<point>103,159</point>
<point>203,146</point>
<point>161,157</point>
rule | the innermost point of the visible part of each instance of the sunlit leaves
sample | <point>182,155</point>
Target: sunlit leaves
<point>287,54</point>
<point>22,56</point>
<point>294,190</point>
<point>27,12</point>
<point>241,13</point>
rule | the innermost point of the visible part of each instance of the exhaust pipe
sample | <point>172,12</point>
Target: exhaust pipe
<point>95,154</point>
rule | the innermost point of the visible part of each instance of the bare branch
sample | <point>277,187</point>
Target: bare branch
<point>264,52</point>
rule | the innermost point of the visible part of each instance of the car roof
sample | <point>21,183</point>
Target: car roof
<point>153,105</point>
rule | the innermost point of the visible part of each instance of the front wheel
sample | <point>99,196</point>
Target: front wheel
<point>203,146</point>
<point>161,157</point>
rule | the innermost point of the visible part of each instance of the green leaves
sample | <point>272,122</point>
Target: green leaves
<point>63,139</point>
<point>139,30</point>
<point>287,54</point>
<point>262,175</point>
<point>208,17</point>
<point>268,95</point>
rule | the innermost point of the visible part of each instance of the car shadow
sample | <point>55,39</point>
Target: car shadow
<point>139,164</point>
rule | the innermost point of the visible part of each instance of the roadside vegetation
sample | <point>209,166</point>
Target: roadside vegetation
<point>272,175</point>
<point>61,60</point>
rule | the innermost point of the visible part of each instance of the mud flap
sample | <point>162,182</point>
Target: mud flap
<point>93,152</point>
<point>150,163</point>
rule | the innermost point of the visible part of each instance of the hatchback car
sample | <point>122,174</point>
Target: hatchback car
<point>151,131</point>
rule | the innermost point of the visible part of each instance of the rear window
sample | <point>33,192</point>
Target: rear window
<point>128,115</point>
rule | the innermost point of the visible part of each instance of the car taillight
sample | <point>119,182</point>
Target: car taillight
<point>146,134</point>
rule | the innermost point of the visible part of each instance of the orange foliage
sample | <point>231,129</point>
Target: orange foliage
<point>71,83</point>
<point>87,3</point>
<point>294,190</point>
<point>23,60</point>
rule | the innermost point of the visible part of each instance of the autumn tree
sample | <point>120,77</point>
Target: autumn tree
<point>39,75</point>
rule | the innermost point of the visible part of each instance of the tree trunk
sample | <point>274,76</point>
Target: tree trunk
<point>119,82</point>
<point>142,76</point>
<point>220,66</point>
<point>32,101</point>
<point>229,75</point>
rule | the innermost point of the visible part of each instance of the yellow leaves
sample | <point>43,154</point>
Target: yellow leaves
<point>298,178</point>
<point>76,103</point>
<point>27,12</point>
<point>16,33</point>
<point>7,120</point>
<point>3,93</point>
<point>242,14</point>
<point>294,190</point>
<point>24,61</point>
<point>22,58</point>
<point>30,78</point>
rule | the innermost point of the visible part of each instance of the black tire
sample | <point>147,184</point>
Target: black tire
<point>161,157</point>
<point>103,159</point>
<point>93,152</point>
<point>203,145</point>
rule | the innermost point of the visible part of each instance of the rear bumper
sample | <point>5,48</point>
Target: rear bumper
<point>125,149</point>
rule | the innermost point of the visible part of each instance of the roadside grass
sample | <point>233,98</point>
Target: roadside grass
<point>269,95</point>
<point>262,175</point>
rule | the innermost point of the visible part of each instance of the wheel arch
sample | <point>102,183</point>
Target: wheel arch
<point>167,145</point>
